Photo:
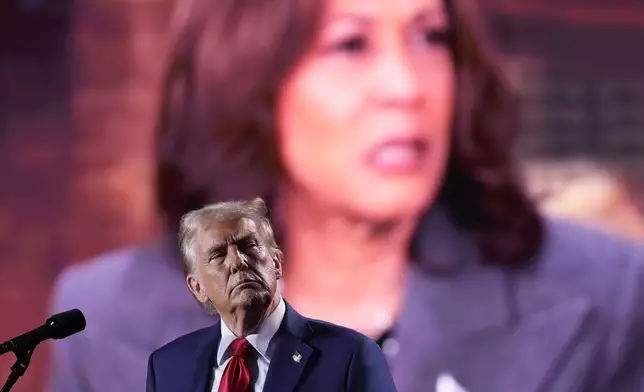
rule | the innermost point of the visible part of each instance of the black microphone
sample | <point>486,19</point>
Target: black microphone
<point>58,326</point>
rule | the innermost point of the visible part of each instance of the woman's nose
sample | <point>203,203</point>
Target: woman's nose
<point>397,80</point>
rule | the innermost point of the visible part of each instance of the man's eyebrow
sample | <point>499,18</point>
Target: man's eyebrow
<point>220,245</point>
<point>245,238</point>
<point>216,249</point>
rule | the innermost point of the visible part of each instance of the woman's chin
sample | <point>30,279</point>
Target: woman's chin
<point>391,206</point>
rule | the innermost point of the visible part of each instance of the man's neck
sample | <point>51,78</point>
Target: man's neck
<point>244,322</point>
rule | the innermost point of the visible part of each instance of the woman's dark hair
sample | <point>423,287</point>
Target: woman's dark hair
<point>216,138</point>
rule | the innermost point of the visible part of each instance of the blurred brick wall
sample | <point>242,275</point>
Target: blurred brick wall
<point>119,54</point>
<point>74,156</point>
<point>35,145</point>
<point>34,173</point>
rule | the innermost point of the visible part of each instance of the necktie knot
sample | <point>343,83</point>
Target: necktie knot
<point>240,347</point>
<point>236,377</point>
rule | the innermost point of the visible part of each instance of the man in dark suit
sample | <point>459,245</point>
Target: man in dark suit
<point>232,265</point>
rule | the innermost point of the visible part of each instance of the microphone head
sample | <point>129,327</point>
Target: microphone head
<point>67,323</point>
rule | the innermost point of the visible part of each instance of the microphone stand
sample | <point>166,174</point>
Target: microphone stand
<point>23,358</point>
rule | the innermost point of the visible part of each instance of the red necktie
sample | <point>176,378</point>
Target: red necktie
<point>236,377</point>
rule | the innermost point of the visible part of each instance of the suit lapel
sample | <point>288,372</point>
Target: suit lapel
<point>291,355</point>
<point>444,312</point>
<point>484,351</point>
<point>206,361</point>
<point>489,329</point>
<point>526,358</point>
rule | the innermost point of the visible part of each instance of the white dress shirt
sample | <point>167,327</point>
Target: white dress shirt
<point>259,362</point>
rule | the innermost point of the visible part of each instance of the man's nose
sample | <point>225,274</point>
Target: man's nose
<point>397,80</point>
<point>238,262</point>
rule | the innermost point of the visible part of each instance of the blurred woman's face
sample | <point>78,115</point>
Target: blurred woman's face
<point>364,119</point>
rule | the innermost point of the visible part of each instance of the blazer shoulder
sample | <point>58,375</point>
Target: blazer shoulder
<point>106,267</point>
<point>573,250</point>
<point>605,269</point>
<point>347,337</point>
<point>186,346</point>
<point>563,230</point>
<point>97,285</point>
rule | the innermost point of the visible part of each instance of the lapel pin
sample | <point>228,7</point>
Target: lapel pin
<point>297,357</point>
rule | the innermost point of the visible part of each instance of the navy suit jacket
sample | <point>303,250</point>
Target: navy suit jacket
<point>333,359</point>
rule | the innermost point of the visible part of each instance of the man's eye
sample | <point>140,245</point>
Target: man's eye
<point>247,243</point>
<point>249,246</point>
<point>214,257</point>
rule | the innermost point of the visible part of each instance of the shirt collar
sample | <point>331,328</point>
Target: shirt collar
<point>259,340</point>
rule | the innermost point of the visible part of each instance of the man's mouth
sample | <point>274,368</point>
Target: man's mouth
<point>246,284</point>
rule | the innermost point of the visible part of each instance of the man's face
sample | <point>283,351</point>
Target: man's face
<point>234,267</point>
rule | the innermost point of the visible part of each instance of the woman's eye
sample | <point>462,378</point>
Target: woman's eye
<point>352,45</point>
<point>437,36</point>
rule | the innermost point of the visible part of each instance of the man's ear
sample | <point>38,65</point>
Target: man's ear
<point>259,205</point>
<point>196,288</point>
<point>277,261</point>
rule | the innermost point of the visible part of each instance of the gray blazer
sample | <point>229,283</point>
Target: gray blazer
<point>575,322</point>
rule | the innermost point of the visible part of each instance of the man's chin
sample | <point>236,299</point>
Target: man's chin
<point>251,299</point>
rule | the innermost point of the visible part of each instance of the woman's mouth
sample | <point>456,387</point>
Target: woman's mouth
<point>398,156</point>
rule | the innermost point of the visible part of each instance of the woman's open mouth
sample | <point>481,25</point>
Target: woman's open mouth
<point>398,156</point>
